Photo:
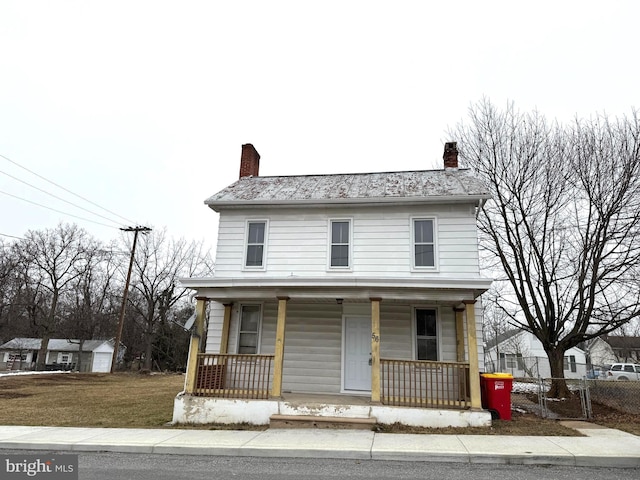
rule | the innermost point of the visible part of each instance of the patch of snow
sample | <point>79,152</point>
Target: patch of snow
<point>29,372</point>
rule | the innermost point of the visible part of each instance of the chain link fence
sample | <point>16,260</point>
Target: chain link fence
<point>618,395</point>
<point>590,397</point>
<point>531,395</point>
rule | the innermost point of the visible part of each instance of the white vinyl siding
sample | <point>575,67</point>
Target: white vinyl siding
<point>214,333</point>
<point>313,342</point>
<point>381,242</point>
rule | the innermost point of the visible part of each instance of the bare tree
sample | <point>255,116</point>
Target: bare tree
<point>9,286</point>
<point>564,221</point>
<point>90,305</point>
<point>159,263</point>
<point>52,259</point>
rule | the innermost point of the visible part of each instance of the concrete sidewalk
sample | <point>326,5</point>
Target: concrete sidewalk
<point>602,447</point>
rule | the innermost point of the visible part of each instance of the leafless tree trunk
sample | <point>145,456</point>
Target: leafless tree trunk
<point>564,221</point>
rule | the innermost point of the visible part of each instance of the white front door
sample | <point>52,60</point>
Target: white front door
<point>357,353</point>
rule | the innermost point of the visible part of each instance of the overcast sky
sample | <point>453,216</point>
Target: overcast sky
<point>141,107</point>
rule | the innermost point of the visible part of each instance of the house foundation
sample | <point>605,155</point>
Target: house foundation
<point>189,409</point>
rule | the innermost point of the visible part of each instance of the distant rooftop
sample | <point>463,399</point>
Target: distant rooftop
<point>60,344</point>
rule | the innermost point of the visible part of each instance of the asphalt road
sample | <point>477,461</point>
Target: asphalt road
<point>122,466</point>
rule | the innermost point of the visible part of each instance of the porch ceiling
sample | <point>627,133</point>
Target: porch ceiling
<point>328,290</point>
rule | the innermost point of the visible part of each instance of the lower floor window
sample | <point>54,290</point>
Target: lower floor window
<point>249,329</point>
<point>426,334</point>
<point>64,358</point>
<point>569,363</point>
<point>511,361</point>
<point>15,357</point>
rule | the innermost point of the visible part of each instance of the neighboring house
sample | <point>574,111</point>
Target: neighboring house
<point>22,353</point>
<point>357,290</point>
<point>609,349</point>
<point>521,354</point>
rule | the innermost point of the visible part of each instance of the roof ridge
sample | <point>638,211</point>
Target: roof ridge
<point>351,173</point>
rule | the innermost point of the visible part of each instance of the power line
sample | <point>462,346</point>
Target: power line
<point>58,211</point>
<point>11,236</point>
<point>58,198</point>
<point>65,189</point>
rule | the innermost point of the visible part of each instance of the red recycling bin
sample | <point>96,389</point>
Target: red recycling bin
<point>496,393</point>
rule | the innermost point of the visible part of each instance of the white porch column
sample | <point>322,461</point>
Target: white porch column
<point>375,349</point>
<point>276,390</point>
<point>474,370</point>
<point>194,347</point>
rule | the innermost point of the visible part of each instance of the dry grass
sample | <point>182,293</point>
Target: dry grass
<point>520,424</point>
<point>602,413</point>
<point>146,401</point>
<point>89,399</point>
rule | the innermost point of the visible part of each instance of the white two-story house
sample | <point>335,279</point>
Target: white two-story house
<point>348,296</point>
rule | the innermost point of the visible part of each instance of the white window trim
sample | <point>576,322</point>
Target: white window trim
<point>17,357</point>
<point>414,330</point>
<point>330,221</point>
<point>259,341</point>
<point>412,244</point>
<point>245,245</point>
<point>61,354</point>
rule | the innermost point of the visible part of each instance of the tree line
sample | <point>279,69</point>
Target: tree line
<point>64,283</point>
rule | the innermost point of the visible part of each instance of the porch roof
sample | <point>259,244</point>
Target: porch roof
<point>329,289</point>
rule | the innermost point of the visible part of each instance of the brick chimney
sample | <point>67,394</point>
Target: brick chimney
<point>249,161</point>
<point>450,156</point>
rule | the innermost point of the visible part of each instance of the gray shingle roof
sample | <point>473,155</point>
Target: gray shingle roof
<point>622,342</point>
<point>398,187</point>
<point>55,344</point>
<point>501,337</point>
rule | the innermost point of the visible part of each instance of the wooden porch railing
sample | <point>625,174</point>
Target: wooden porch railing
<point>234,376</point>
<point>424,384</point>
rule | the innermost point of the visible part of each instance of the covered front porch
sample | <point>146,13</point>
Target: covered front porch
<point>224,387</point>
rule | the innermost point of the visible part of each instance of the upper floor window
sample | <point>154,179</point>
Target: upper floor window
<point>340,243</point>
<point>255,244</point>
<point>424,246</point>
<point>426,334</point>
<point>249,329</point>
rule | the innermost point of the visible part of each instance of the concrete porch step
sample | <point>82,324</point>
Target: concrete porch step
<point>314,421</point>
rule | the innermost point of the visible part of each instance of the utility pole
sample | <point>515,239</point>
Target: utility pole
<point>136,230</point>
